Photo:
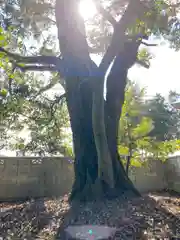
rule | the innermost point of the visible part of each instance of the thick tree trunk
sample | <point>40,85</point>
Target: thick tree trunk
<point>86,162</point>
<point>92,141</point>
<point>116,83</point>
<point>105,169</point>
<point>73,46</point>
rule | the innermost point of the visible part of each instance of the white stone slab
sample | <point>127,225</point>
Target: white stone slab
<point>90,232</point>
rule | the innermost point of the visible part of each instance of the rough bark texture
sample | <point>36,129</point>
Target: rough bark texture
<point>116,83</point>
<point>75,54</point>
<point>105,169</point>
<point>91,146</point>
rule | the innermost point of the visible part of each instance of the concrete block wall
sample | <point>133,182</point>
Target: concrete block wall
<point>24,177</point>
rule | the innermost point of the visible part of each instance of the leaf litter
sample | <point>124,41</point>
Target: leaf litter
<point>153,216</point>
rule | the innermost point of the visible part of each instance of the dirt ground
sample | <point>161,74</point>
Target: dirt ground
<point>153,216</point>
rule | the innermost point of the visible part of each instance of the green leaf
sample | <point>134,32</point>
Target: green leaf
<point>3,92</point>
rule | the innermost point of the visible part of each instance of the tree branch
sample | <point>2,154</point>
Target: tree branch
<point>58,99</point>
<point>51,63</point>
<point>36,68</point>
<point>176,5</point>
<point>2,146</point>
<point>135,10</point>
<point>72,37</point>
<point>47,87</point>
<point>10,80</point>
<point>149,44</point>
<point>31,59</point>
<point>143,64</point>
<point>45,105</point>
<point>105,13</point>
<point>40,104</point>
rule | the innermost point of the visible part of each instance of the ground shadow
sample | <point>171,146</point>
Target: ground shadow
<point>23,220</point>
<point>149,217</point>
<point>153,216</point>
<point>159,222</point>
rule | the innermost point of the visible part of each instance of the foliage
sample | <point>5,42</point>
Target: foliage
<point>140,129</point>
<point>134,125</point>
<point>26,16</point>
<point>29,107</point>
<point>161,150</point>
<point>41,119</point>
<point>165,118</point>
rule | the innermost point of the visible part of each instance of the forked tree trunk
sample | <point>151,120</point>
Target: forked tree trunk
<point>98,169</point>
<point>128,160</point>
<point>116,83</point>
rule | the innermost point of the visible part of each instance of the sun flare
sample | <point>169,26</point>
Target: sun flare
<point>87,9</point>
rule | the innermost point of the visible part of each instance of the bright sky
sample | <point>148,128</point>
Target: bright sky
<point>164,73</point>
<point>87,9</point>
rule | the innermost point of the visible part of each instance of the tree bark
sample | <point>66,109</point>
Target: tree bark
<point>116,83</point>
<point>105,170</point>
<point>98,169</point>
<point>73,46</point>
<point>129,159</point>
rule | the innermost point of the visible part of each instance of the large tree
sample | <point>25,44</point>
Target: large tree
<point>94,120</point>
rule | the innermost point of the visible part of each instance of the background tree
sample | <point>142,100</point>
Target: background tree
<point>165,118</point>
<point>139,135</point>
<point>29,107</point>
<point>135,126</point>
<point>37,122</point>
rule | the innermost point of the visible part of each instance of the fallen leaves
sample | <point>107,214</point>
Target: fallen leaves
<point>154,216</point>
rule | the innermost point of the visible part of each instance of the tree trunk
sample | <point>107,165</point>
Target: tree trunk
<point>98,169</point>
<point>86,161</point>
<point>105,170</point>
<point>129,159</point>
<point>116,83</point>
<point>129,147</point>
<point>73,46</point>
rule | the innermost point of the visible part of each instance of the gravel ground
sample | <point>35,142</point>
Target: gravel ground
<point>153,216</point>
